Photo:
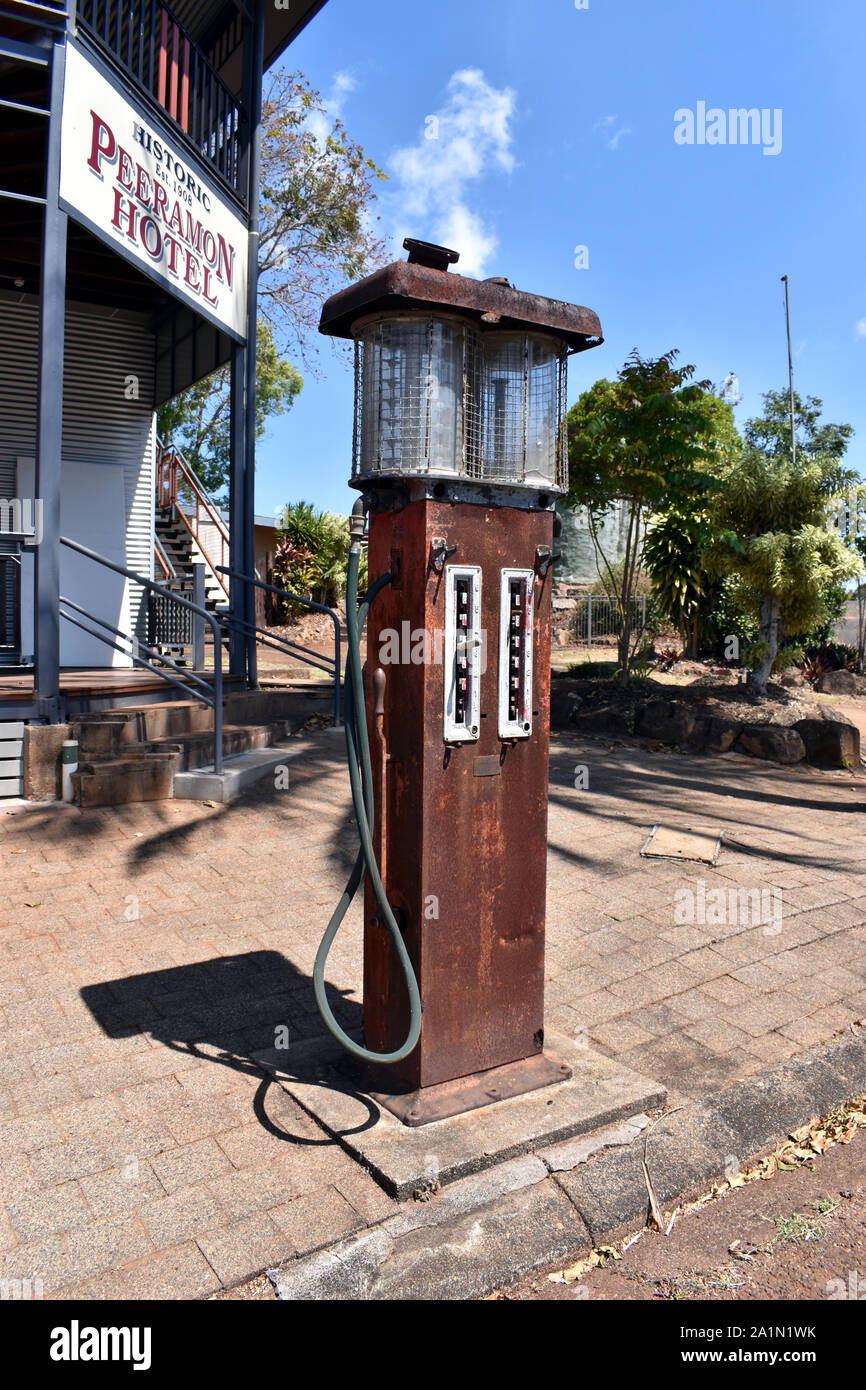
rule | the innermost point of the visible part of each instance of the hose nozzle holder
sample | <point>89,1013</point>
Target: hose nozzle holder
<point>357,521</point>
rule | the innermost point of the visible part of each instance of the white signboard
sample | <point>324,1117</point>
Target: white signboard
<point>135,187</point>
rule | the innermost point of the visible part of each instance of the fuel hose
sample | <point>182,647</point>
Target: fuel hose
<point>361,780</point>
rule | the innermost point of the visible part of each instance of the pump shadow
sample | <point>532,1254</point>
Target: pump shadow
<point>226,1011</point>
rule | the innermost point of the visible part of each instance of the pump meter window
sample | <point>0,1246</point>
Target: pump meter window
<point>515,653</point>
<point>462,653</point>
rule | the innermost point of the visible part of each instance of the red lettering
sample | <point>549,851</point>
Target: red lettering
<point>225,261</point>
<point>130,214</point>
<point>211,298</point>
<point>175,220</point>
<point>154,250</point>
<point>125,170</point>
<point>192,263</point>
<point>142,185</point>
<point>103,145</point>
<point>193,233</point>
<point>160,199</point>
<point>173,248</point>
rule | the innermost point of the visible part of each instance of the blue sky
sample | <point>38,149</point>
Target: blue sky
<point>556,130</point>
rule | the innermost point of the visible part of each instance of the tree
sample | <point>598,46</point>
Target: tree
<point>317,228</point>
<point>640,441</point>
<point>680,532</point>
<point>771,517</point>
<point>317,231</point>
<point>855,538</point>
<point>199,420</point>
<point>673,554</point>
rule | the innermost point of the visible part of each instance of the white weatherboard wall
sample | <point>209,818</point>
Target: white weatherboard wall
<point>108,461</point>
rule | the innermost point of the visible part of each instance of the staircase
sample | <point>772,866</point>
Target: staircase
<point>183,551</point>
<point>189,531</point>
<point>134,753</point>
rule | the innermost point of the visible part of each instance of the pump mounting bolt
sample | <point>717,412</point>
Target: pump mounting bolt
<point>544,559</point>
<point>440,552</point>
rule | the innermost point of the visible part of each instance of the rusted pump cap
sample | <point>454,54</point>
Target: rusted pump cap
<point>423,282</point>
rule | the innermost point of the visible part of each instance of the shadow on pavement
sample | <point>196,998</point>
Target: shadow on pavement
<point>224,1011</point>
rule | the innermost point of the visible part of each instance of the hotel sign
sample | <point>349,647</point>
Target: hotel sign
<point>133,185</point>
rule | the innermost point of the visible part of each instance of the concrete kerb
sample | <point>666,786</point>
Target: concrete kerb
<point>320,1079</point>
<point>489,1230</point>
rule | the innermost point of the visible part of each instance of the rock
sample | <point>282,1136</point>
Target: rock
<point>561,637</point>
<point>792,678</point>
<point>841,683</point>
<point>665,721</point>
<point>828,712</point>
<point>603,720</point>
<point>773,742</point>
<point>830,742</point>
<point>714,734</point>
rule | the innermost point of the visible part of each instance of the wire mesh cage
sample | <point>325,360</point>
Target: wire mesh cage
<point>434,394</point>
<point>416,384</point>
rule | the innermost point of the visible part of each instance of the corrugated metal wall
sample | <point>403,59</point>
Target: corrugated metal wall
<point>102,421</point>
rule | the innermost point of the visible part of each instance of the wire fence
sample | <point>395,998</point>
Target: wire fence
<point>597,618</point>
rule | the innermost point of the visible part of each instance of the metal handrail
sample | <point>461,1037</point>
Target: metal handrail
<point>137,645</point>
<point>49,17</point>
<point>171,460</point>
<point>166,566</point>
<point>267,639</point>
<point>195,481</point>
<point>250,629</point>
<point>209,618</point>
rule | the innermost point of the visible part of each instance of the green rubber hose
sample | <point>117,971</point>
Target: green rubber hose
<point>361,780</point>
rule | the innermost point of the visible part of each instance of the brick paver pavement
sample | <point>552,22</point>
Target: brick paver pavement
<point>147,952</point>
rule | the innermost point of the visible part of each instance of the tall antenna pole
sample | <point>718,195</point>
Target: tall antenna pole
<point>790,371</point>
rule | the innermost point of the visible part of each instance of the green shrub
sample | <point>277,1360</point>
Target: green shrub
<point>792,654</point>
<point>594,670</point>
<point>314,553</point>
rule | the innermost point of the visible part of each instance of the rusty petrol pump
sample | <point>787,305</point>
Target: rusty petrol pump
<point>459,454</point>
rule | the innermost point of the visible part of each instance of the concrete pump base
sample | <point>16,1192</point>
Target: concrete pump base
<point>321,1077</point>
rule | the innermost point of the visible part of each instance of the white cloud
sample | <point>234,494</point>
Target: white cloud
<point>860,328</point>
<point>468,137</point>
<point>612,134</point>
<point>321,123</point>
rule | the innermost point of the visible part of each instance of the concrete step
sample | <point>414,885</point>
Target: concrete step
<point>135,753</point>
<point>196,750</point>
<point>240,772</point>
<point>118,781</point>
<point>109,730</point>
